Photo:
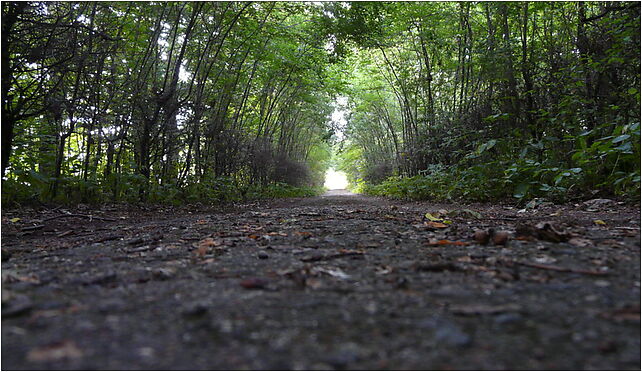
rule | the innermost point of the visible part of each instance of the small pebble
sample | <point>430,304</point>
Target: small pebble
<point>262,255</point>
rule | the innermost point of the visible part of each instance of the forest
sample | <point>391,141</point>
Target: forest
<point>187,102</point>
<point>166,198</point>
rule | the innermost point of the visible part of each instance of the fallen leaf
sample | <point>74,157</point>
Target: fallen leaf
<point>312,283</point>
<point>599,222</point>
<point>383,270</point>
<point>579,242</point>
<point>337,273</point>
<point>436,225</point>
<point>351,251</point>
<point>630,313</point>
<point>445,242</point>
<point>13,277</point>
<point>543,231</point>
<point>14,220</point>
<point>525,238</point>
<point>465,213</point>
<point>254,283</point>
<point>557,213</point>
<point>205,245</point>
<point>277,234</point>
<point>54,352</point>
<point>431,217</point>
<point>595,205</point>
<point>210,242</point>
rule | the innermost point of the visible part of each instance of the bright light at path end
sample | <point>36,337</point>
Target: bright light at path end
<point>335,180</point>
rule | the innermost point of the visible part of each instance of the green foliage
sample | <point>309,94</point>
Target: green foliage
<point>172,102</point>
<point>610,165</point>
<point>164,102</point>
<point>481,101</point>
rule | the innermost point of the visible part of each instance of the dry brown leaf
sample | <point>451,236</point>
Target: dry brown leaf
<point>205,245</point>
<point>53,352</point>
<point>277,233</point>
<point>436,225</point>
<point>579,242</point>
<point>210,242</point>
<point>630,313</point>
<point>254,283</point>
<point>445,242</point>
<point>543,231</point>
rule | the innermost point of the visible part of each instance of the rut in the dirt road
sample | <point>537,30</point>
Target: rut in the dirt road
<point>333,282</point>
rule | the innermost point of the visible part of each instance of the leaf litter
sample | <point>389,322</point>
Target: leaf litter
<point>347,269</point>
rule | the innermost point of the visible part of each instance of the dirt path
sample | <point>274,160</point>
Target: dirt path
<point>334,282</point>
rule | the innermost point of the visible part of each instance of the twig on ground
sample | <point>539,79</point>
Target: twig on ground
<point>31,228</point>
<point>91,217</point>
<point>68,232</point>
<point>109,237</point>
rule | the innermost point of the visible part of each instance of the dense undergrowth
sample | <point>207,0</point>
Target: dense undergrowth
<point>219,190</point>
<point>495,100</point>
<point>610,166</point>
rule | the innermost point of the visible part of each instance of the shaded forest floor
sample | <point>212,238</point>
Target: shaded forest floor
<point>332,282</point>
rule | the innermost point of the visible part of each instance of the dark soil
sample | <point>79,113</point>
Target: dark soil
<point>334,282</point>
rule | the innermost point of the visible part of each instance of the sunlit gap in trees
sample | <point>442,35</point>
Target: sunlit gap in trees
<point>339,120</point>
<point>335,180</point>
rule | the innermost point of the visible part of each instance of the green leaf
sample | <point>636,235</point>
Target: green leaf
<point>432,218</point>
<point>472,213</point>
<point>621,138</point>
<point>521,190</point>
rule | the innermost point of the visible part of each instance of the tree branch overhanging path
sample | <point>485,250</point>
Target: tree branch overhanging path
<point>163,167</point>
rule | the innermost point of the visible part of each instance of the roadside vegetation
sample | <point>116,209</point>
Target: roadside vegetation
<point>175,102</point>
<point>163,102</point>
<point>481,101</point>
